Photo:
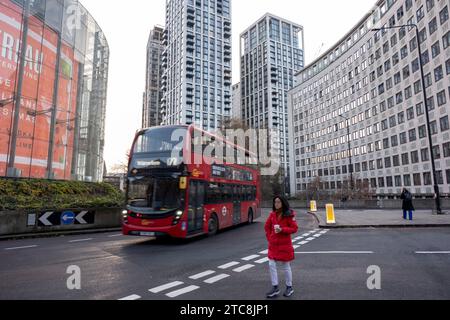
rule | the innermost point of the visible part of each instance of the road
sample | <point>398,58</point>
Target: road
<point>330,264</point>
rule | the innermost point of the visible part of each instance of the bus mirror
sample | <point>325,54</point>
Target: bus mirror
<point>183,183</point>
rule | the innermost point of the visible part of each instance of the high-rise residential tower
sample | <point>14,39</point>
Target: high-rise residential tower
<point>197,63</point>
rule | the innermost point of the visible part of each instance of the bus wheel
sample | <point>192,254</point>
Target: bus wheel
<point>213,225</point>
<point>250,216</point>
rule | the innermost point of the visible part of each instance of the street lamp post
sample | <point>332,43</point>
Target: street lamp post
<point>425,98</point>
<point>347,122</point>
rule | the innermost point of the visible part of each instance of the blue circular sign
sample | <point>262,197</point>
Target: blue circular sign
<point>67,218</point>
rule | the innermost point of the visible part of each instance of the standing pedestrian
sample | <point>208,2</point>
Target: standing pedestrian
<point>407,207</point>
<point>280,227</point>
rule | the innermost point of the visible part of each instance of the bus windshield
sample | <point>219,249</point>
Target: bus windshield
<point>154,194</point>
<point>161,140</point>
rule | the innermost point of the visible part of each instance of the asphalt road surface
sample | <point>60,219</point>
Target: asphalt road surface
<point>330,264</point>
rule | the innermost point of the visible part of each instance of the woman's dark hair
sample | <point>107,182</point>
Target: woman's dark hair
<point>285,203</point>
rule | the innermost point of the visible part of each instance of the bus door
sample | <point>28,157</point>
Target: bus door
<point>196,202</point>
<point>236,205</point>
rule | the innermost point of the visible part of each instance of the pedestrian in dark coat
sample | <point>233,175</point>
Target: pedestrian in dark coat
<point>408,206</point>
<point>280,227</point>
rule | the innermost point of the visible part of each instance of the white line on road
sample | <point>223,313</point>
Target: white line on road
<point>306,235</point>
<point>336,252</point>
<point>310,239</point>
<point>18,248</point>
<point>180,292</point>
<point>131,298</point>
<point>243,268</point>
<point>264,252</point>
<point>296,247</point>
<point>261,261</point>
<point>229,265</point>
<point>216,278</point>
<point>253,257</point>
<point>80,240</point>
<point>115,235</point>
<point>432,252</point>
<point>317,235</point>
<point>166,286</point>
<point>303,242</point>
<point>202,275</point>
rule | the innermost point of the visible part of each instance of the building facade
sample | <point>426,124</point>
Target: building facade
<point>151,113</point>
<point>370,84</point>
<point>53,94</point>
<point>272,52</point>
<point>236,98</point>
<point>196,82</point>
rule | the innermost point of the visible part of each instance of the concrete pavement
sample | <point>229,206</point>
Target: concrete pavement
<point>381,219</point>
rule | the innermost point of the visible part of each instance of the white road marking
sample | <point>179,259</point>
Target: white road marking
<point>432,252</point>
<point>18,248</point>
<point>310,239</point>
<point>306,235</point>
<point>216,278</point>
<point>298,238</point>
<point>261,261</point>
<point>303,242</point>
<point>229,265</point>
<point>130,298</point>
<point>296,247</point>
<point>202,275</point>
<point>115,235</point>
<point>166,286</point>
<point>264,252</point>
<point>80,240</point>
<point>317,235</point>
<point>180,292</point>
<point>336,252</point>
<point>243,268</point>
<point>253,257</point>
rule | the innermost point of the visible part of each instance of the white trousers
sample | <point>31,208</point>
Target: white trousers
<point>286,266</point>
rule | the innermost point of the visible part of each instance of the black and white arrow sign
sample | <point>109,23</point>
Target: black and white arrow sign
<point>80,217</point>
<point>44,219</point>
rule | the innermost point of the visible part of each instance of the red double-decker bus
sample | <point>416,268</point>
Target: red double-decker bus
<point>171,193</point>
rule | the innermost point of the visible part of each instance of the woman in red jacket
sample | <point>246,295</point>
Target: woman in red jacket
<point>280,227</point>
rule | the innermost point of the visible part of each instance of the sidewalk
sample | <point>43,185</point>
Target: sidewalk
<point>382,219</point>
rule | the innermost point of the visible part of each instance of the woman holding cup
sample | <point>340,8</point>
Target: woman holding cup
<point>280,227</point>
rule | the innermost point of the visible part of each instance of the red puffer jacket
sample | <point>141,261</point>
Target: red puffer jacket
<point>280,245</point>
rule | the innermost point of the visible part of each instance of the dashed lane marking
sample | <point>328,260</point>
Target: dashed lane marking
<point>180,292</point>
<point>261,261</point>
<point>216,278</point>
<point>252,257</point>
<point>202,275</point>
<point>166,287</point>
<point>131,298</point>
<point>19,248</point>
<point>243,268</point>
<point>228,265</point>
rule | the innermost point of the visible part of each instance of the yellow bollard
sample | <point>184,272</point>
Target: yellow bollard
<point>331,218</point>
<point>313,206</point>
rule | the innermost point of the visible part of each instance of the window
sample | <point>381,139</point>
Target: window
<point>403,138</point>
<point>404,52</point>
<point>386,143</point>
<point>408,4</point>
<point>438,73</point>
<point>447,66</point>
<point>443,15</point>
<point>394,141</point>
<point>419,109</point>
<point>417,179</point>
<point>446,40</point>
<point>387,162</point>
<point>441,98</point>
<point>398,181</point>
<point>430,4</point>
<point>425,155</point>
<point>412,135</point>
<point>405,159</point>
<point>434,128</point>
<point>427,178</point>
<point>417,87</point>
<point>410,113</point>
<point>435,49</point>
<point>415,157</point>
<point>389,182</point>
<point>422,132</point>
<point>420,14</point>
<point>444,124</point>
<point>428,80</point>
<point>437,152</point>
<point>392,122</point>
<point>396,161</point>
<point>432,26</point>
<point>446,148</point>
<point>407,180</point>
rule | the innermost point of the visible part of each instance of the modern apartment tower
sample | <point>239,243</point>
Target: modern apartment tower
<point>272,52</point>
<point>196,82</point>
<point>151,113</point>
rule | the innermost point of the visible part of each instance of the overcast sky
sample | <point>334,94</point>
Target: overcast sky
<point>127,24</point>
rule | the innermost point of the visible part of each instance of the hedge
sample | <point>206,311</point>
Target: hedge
<point>24,194</point>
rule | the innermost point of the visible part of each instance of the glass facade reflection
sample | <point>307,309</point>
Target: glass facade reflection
<point>58,84</point>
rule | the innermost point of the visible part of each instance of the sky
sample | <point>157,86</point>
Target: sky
<point>126,25</point>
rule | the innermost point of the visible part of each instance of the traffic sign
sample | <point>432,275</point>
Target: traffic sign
<point>67,218</point>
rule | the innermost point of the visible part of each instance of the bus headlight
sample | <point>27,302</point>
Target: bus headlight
<point>179,213</point>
